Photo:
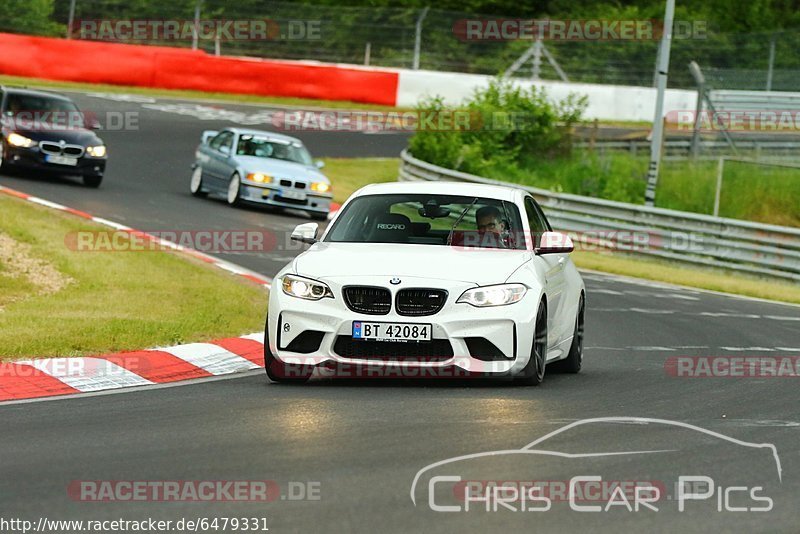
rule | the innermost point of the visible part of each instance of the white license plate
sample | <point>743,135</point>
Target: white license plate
<point>391,331</point>
<point>61,160</point>
<point>294,195</point>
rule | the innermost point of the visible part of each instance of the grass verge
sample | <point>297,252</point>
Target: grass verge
<point>190,95</point>
<point>114,301</point>
<point>347,175</point>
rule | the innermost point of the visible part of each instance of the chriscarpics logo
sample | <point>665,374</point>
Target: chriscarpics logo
<point>611,465</point>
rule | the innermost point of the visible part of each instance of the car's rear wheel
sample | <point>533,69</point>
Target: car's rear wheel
<point>533,373</point>
<point>280,372</point>
<point>234,190</point>
<point>574,360</point>
<point>92,180</point>
<point>196,184</point>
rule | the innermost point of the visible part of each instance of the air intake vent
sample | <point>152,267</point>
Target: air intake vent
<point>368,300</point>
<point>437,350</point>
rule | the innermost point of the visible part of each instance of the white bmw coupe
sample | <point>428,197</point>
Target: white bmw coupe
<point>429,277</point>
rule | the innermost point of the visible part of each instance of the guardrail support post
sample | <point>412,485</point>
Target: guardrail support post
<point>718,192</point>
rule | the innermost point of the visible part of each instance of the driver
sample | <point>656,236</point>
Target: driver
<point>488,219</point>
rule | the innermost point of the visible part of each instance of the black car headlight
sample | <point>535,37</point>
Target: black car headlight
<point>98,151</point>
<point>305,288</point>
<point>15,139</point>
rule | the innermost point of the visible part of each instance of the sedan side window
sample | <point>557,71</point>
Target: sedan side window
<point>223,139</point>
<point>536,221</point>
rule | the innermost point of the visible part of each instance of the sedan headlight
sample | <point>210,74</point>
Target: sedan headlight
<point>259,177</point>
<point>498,295</point>
<point>305,288</point>
<point>16,139</point>
<point>97,151</point>
<point>321,187</point>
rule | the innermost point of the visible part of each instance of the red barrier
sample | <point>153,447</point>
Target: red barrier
<point>180,68</point>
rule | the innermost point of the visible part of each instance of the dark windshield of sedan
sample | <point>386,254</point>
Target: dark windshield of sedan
<point>429,220</point>
<point>262,147</point>
<point>41,109</point>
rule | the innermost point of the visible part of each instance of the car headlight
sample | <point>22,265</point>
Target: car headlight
<point>498,295</point>
<point>321,187</point>
<point>97,151</point>
<point>305,288</point>
<point>259,177</point>
<point>16,139</point>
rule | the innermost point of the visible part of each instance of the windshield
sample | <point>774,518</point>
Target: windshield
<point>429,220</point>
<point>263,147</point>
<point>16,103</point>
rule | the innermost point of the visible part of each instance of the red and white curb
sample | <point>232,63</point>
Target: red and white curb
<point>27,379</point>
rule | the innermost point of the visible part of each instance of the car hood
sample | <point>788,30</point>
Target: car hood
<point>357,260</point>
<point>281,169</point>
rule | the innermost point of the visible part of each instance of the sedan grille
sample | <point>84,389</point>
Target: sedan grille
<point>368,300</point>
<point>437,350</point>
<point>418,302</point>
<point>48,147</point>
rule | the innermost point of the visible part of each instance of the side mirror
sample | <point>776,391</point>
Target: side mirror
<point>319,164</point>
<point>95,125</point>
<point>306,233</point>
<point>225,150</point>
<point>554,243</point>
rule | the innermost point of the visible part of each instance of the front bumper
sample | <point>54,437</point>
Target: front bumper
<point>508,328</point>
<point>33,158</point>
<point>273,195</point>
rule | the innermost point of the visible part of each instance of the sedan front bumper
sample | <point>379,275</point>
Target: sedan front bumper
<point>491,340</point>
<point>285,197</point>
<point>33,158</point>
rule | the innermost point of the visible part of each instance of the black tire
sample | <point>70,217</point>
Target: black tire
<point>533,373</point>
<point>574,360</point>
<point>92,180</point>
<point>234,185</point>
<point>196,183</point>
<point>282,373</point>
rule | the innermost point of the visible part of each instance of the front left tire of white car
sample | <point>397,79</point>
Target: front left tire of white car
<point>282,373</point>
<point>533,373</point>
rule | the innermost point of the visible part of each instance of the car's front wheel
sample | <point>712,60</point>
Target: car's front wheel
<point>196,184</point>
<point>533,373</point>
<point>283,373</point>
<point>92,180</point>
<point>234,190</point>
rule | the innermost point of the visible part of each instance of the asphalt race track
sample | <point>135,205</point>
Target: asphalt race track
<point>361,443</point>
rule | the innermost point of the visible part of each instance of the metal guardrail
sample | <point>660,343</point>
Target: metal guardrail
<point>755,100</point>
<point>743,246</point>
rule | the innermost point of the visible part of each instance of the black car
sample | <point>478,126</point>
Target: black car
<point>47,132</point>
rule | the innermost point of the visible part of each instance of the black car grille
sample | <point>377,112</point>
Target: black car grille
<point>48,147</point>
<point>288,183</point>
<point>367,299</point>
<point>419,302</point>
<point>437,350</point>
